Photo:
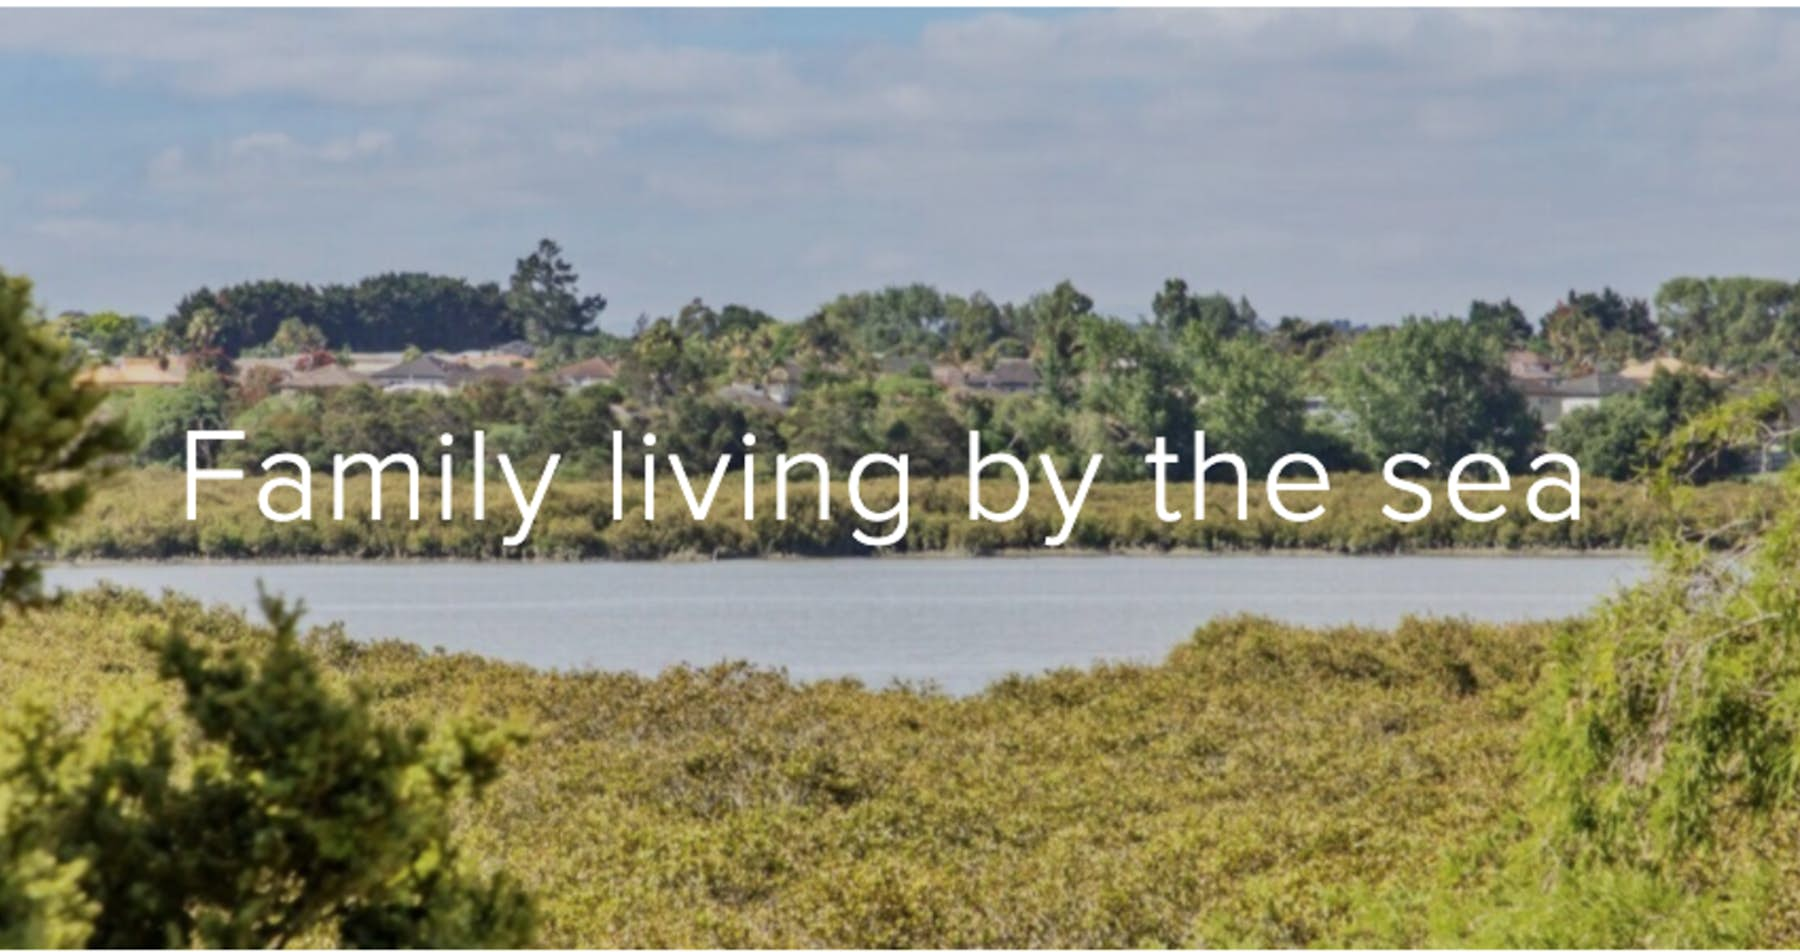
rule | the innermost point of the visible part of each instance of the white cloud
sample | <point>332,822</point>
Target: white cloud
<point>1339,163</point>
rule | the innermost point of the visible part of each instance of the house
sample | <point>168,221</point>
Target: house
<point>328,377</point>
<point>427,372</point>
<point>1009,375</point>
<point>1642,370</point>
<point>478,359</point>
<point>137,372</point>
<point>1589,390</point>
<point>750,397</point>
<point>370,361</point>
<point>1552,400</point>
<point>902,365</point>
<point>1543,397</point>
<point>509,376</point>
<point>782,383</point>
<point>588,372</point>
<point>1525,365</point>
<point>281,365</point>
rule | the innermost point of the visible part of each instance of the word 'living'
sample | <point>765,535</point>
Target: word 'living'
<point>1283,478</point>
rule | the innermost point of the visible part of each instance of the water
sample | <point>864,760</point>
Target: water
<point>960,623</point>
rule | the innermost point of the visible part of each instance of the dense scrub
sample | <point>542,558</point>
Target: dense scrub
<point>1264,785</point>
<point>143,515</point>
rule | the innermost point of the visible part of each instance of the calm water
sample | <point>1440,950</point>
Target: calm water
<point>958,622</point>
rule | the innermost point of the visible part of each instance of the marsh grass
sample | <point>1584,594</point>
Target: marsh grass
<point>1264,785</point>
<point>142,515</point>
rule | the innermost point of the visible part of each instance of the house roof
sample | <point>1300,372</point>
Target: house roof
<point>593,368</point>
<point>138,372</point>
<point>747,396</point>
<point>1643,370</point>
<point>511,376</point>
<point>424,367</point>
<point>371,361</point>
<point>1529,365</point>
<point>1596,385</point>
<point>328,377</point>
<point>1007,372</point>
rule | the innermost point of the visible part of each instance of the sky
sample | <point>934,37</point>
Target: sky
<point>1350,164</point>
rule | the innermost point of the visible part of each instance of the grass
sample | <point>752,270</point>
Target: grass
<point>142,515</point>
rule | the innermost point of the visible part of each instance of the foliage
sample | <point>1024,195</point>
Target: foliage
<point>1504,321</point>
<point>1592,329</point>
<point>544,301</point>
<point>1432,387</point>
<point>1738,323</point>
<point>1253,789</point>
<point>106,334</point>
<point>1624,437</point>
<point>278,811</point>
<point>1251,401</point>
<point>142,515</point>
<point>381,312</point>
<point>1661,767</point>
<point>158,419</point>
<point>1179,312</point>
<point>50,437</point>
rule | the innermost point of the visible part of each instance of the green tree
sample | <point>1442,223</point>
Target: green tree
<point>106,334</point>
<point>1623,437</point>
<point>158,418</point>
<point>1738,323</point>
<point>50,438</point>
<point>295,336</point>
<point>1592,329</point>
<point>1433,387</point>
<point>544,300</point>
<point>1177,312</point>
<point>277,811</point>
<point>1056,319</point>
<point>1504,321</point>
<point>1250,400</point>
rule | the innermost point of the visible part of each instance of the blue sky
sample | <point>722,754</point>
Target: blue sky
<point>1354,164</point>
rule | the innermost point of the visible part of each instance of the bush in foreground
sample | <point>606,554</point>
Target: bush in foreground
<point>274,812</point>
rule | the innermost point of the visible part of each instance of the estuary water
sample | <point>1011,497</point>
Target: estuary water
<point>958,623</point>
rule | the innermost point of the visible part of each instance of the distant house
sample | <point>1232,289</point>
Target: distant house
<point>129,372</point>
<point>328,377</point>
<point>516,348</point>
<point>1552,400</point>
<point>1009,375</point>
<point>782,383</point>
<point>752,397</point>
<point>1544,398</point>
<point>369,362</point>
<point>507,375</point>
<point>282,365</point>
<point>478,359</point>
<point>587,372</point>
<point>1642,370</point>
<point>779,387</point>
<point>1530,365</point>
<point>427,372</point>
<point>1589,390</point>
<point>901,365</point>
